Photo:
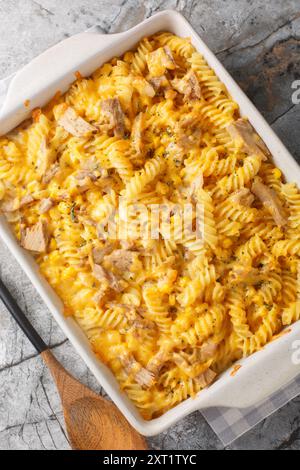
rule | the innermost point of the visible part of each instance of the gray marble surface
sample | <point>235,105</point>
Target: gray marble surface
<point>259,42</point>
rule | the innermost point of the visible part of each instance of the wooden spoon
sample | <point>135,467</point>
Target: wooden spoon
<point>92,422</point>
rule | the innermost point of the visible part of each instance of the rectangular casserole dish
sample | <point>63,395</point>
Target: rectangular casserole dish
<point>261,374</point>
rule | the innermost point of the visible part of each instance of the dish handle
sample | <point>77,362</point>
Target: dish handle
<point>57,66</point>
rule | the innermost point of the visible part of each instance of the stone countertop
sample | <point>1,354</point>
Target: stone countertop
<point>259,42</point>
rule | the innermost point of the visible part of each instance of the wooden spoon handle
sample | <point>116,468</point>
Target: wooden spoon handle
<point>58,372</point>
<point>69,388</point>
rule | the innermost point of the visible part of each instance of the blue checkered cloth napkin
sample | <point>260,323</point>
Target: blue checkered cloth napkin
<point>228,423</point>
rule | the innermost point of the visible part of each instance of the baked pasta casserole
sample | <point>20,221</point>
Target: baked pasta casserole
<point>156,129</point>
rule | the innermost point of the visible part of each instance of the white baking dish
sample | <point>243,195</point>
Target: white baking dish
<point>261,374</point>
